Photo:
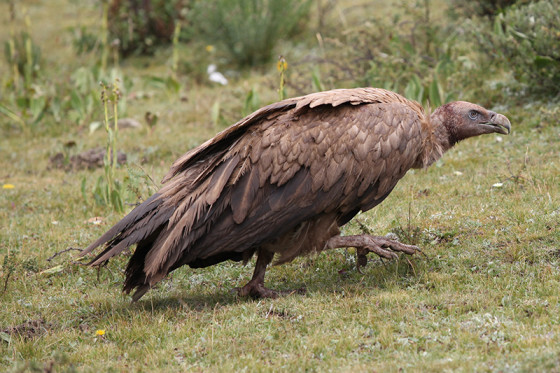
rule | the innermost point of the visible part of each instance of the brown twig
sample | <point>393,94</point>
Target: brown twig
<point>62,252</point>
<point>365,229</point>
<point>411,266</point>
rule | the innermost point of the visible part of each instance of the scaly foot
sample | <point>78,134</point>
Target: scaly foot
<point>257,290</point>
<point>366,243</point>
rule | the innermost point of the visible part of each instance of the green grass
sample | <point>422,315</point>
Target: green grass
<point>484,298</point>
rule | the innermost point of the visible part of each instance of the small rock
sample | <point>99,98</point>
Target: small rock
<point>89,159</point>
<point>128,123</point>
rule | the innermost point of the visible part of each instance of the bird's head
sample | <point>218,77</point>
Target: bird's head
<point>460,120</point>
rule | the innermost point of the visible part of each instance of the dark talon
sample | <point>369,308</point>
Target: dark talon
<point>255,288</point>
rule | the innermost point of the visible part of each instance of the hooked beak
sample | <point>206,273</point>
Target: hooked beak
<point>499,123</point>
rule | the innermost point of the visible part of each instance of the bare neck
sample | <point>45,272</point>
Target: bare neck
<point>438,139</point>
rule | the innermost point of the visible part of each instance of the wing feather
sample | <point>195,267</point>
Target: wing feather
<point>219,179</point>
<point>243,195</point>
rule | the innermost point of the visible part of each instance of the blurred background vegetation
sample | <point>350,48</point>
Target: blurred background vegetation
<point>427,50</point>
<point>208,63</point>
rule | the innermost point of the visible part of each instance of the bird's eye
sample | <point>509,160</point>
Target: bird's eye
<point>473,114</point>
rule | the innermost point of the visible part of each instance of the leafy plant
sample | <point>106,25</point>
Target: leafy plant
<point>27,103</point>
<point>139,183</point>
<point>83,40</point>
<point>112,191</point>
<point>13,116</point>
<point>84,98</point>
<point>411,54</point>
<point>8,268</point>
<point>316,80</point>
<point>215,112</point>
<point>488,8</point>
<point>415,58</point>
<point>282,67</point>
<point>108,190</point>
<point>528,37</point>
<point>24,56</point>
<point>249,29</point>
<point>252,102</point>
<point>140,26</point>
<point>170,85</point>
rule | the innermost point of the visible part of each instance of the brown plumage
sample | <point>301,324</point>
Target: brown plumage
<point>284,179</point>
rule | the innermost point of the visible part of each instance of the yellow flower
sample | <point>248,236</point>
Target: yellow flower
<point>8,186</point>
<point>282,65</point>
<point>209,48</point>
<point>100,332</point>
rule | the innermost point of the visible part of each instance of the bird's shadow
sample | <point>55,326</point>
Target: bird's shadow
<point>328,282</point>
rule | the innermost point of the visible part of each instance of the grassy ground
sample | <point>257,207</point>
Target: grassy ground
<point>485,297</point>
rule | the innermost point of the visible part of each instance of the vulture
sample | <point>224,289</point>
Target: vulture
<point>283,180</point>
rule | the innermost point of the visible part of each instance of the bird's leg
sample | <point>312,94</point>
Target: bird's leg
<point>255,288</point>
<point>366,243</point>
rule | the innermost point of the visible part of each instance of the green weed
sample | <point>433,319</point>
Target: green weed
<point>141,28</point>
<point>252,102</point>
<point>104,36</point>
<point>248,30</point>
<point>282,67</point>
<point>108,190</point>
<point>528,37</point>
<point>175,57</point>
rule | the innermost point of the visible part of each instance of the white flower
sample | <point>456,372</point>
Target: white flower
<point>216,76</point>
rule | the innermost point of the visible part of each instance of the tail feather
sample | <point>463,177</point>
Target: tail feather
<point>134,234</point>
<point>138,226</point>
<point>125,222</point>
<point>135,275</point>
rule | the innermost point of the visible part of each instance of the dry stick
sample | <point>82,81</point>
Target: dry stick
<point>411,266</point>
<point>409,223</point>
<point>364,227</point>
<point>62,252</point>
<point>147,175</point>
<point>270,310</point>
